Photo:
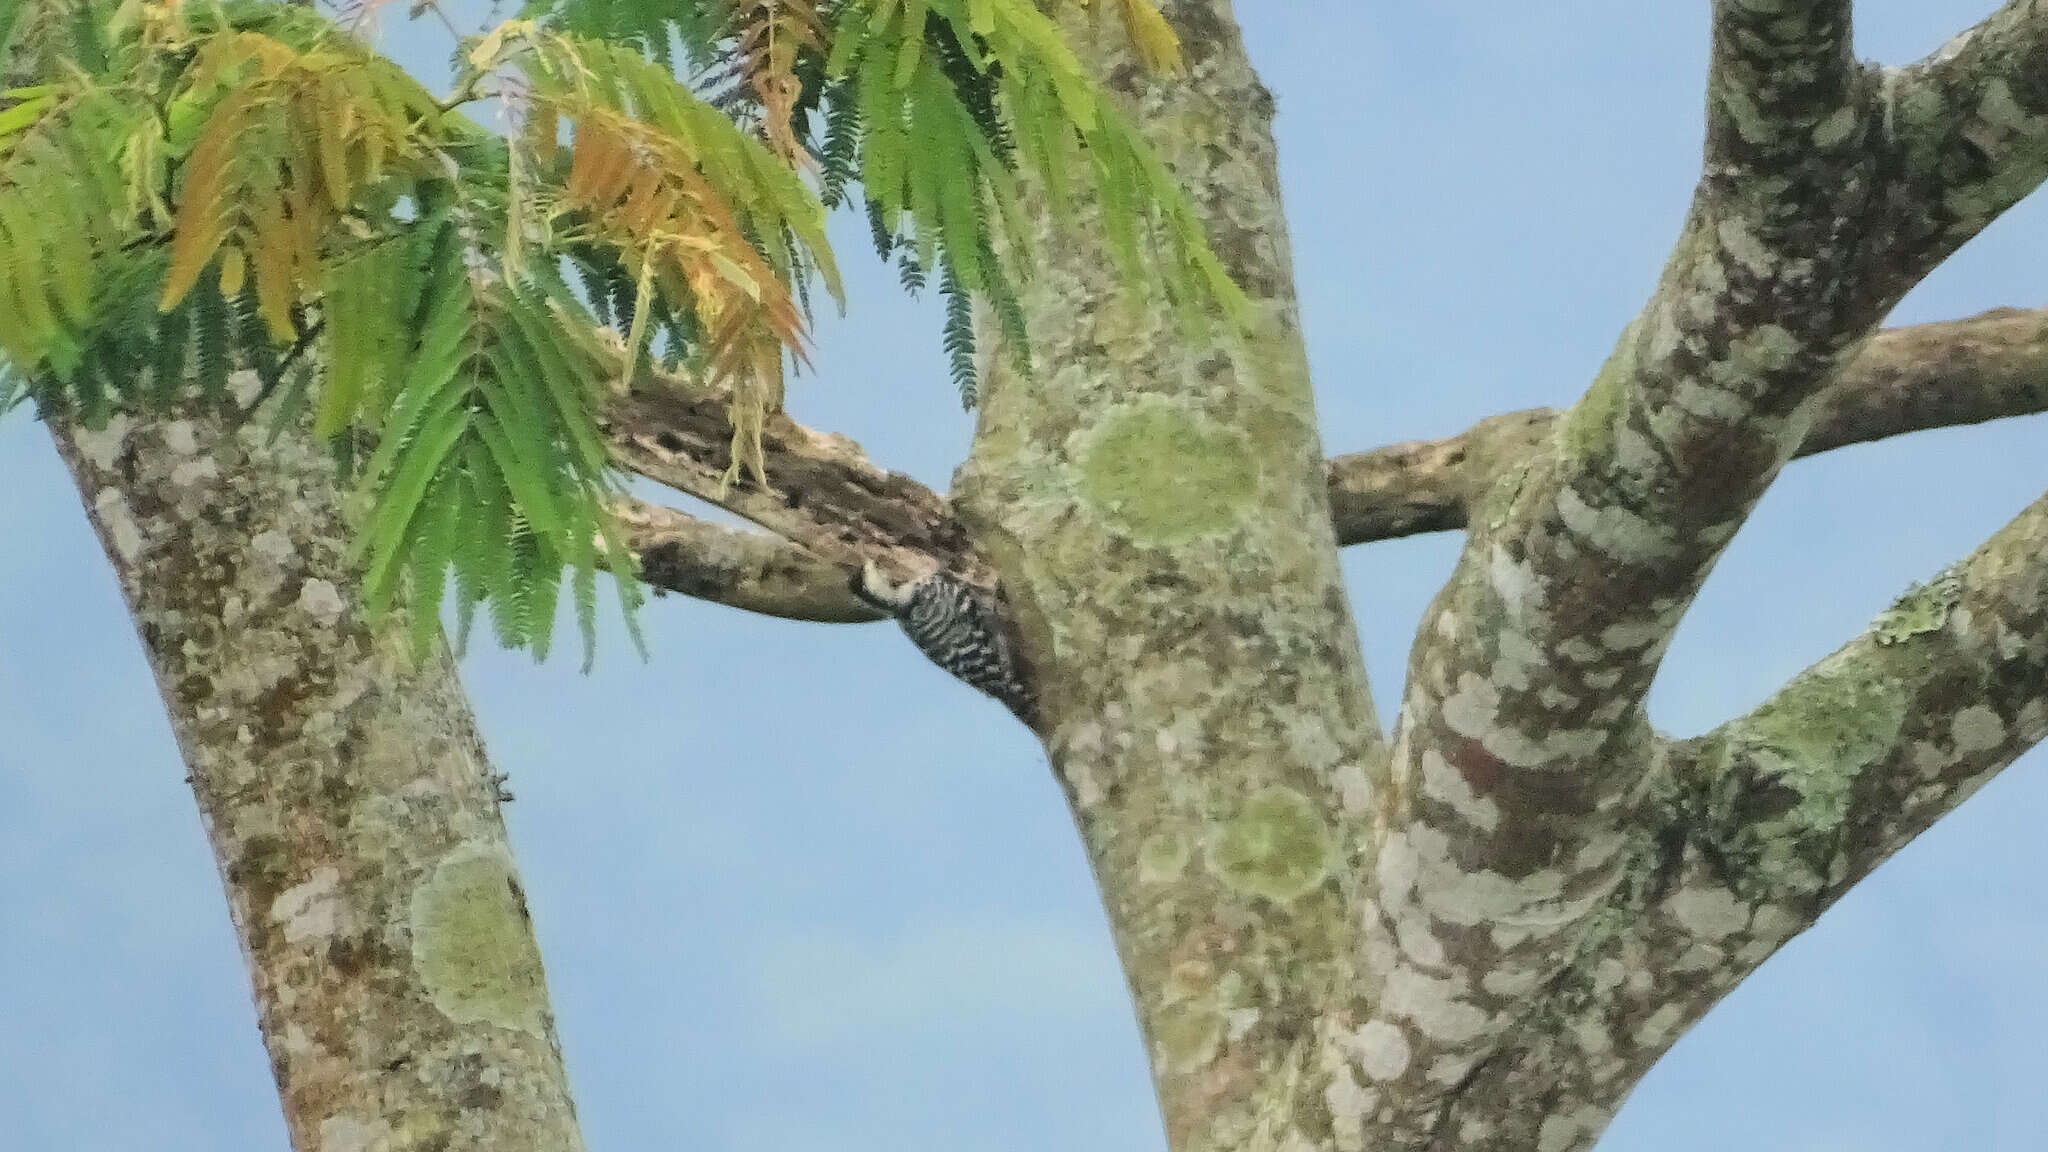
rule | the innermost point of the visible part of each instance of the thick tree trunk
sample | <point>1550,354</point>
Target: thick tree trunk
<point>1158,512</point>
<point>350,807</point>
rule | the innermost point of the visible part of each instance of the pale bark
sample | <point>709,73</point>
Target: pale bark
<point>1964,134</point>
<point>1987,367</point>
<point>751,571</point>
<point>1755,829</point>
<point>350,806</point>
<point>1158,513</point>
<point>1464,939</point>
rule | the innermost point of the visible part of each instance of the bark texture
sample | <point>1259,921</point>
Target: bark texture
<point>752,571</point>
<point>349,803</point>
<point>1482,934</point>
<point>826,495</point>
<point>1159,515</point>
<point>1987,367</point>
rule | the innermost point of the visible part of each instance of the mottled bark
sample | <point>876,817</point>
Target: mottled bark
<point>1158,513</point>
<point>1483,934</point>
<point>1455,940</point>
<point>823,493</point>
<point>1530,832</point>
<point>1758,827</point>
<point>1964,136</point>
<point>1987,367</point>
<point>752,571</point>
<point>350,806</point>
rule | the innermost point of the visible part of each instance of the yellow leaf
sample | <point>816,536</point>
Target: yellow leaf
<point>335,116</point>
<point>232,270</point>
<point>737,276</point>
<point>1157,46</point>
<point>21,115</point>
<point>489,51</point>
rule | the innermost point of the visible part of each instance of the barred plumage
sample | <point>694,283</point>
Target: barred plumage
<point>959,627</point>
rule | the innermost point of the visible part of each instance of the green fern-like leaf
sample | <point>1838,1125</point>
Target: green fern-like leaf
<point>213,345</point>
<point>63,207</point>
<point>839,155</point>
<point>958,336</point>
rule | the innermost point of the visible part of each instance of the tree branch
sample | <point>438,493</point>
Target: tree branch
<point>1865,750</point>
<point>1965,134</point>
<point>1771,818</point>
<point>740,569</point>
<point>1779,86</point>
<point>1986,367</point>
<point>1522,756</point>
<point>825,494</point>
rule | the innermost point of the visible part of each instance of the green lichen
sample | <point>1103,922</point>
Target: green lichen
<point>471,944</point>
<point>1276,847</point>
<point>1980,200</point>
<point>1162,857</point>
<point>1165,474</point>
<point>1188,1035</point>
<point>1819,736</point>
<point>1923,608</point>
<point>1917,116</point>
<point>1768,349</point>
<point>1999,108</point>
<point>1587,431</point>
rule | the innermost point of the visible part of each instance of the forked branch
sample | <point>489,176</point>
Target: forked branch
<point>1522,757</point>
<point>1758,827</point>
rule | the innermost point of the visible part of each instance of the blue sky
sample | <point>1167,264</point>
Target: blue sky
<point>798,891</point>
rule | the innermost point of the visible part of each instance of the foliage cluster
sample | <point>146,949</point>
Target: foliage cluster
<point>189,187</point>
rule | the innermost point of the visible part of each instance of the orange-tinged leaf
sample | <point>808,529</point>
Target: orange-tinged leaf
<point>736,275</point>
<point>638,209</point>
<point>202,220</point>
<point>601,166</point>
<point>769,33</point>
<point>276,257</point>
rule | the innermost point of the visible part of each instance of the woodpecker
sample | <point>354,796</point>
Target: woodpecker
<point>958,626</point>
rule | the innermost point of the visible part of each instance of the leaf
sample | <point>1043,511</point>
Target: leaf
<point>1158,47</point>
<point>233,268</point>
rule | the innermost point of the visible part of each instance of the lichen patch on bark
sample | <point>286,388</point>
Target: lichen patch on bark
<point>472,944</point>
<point>1276,846</point>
